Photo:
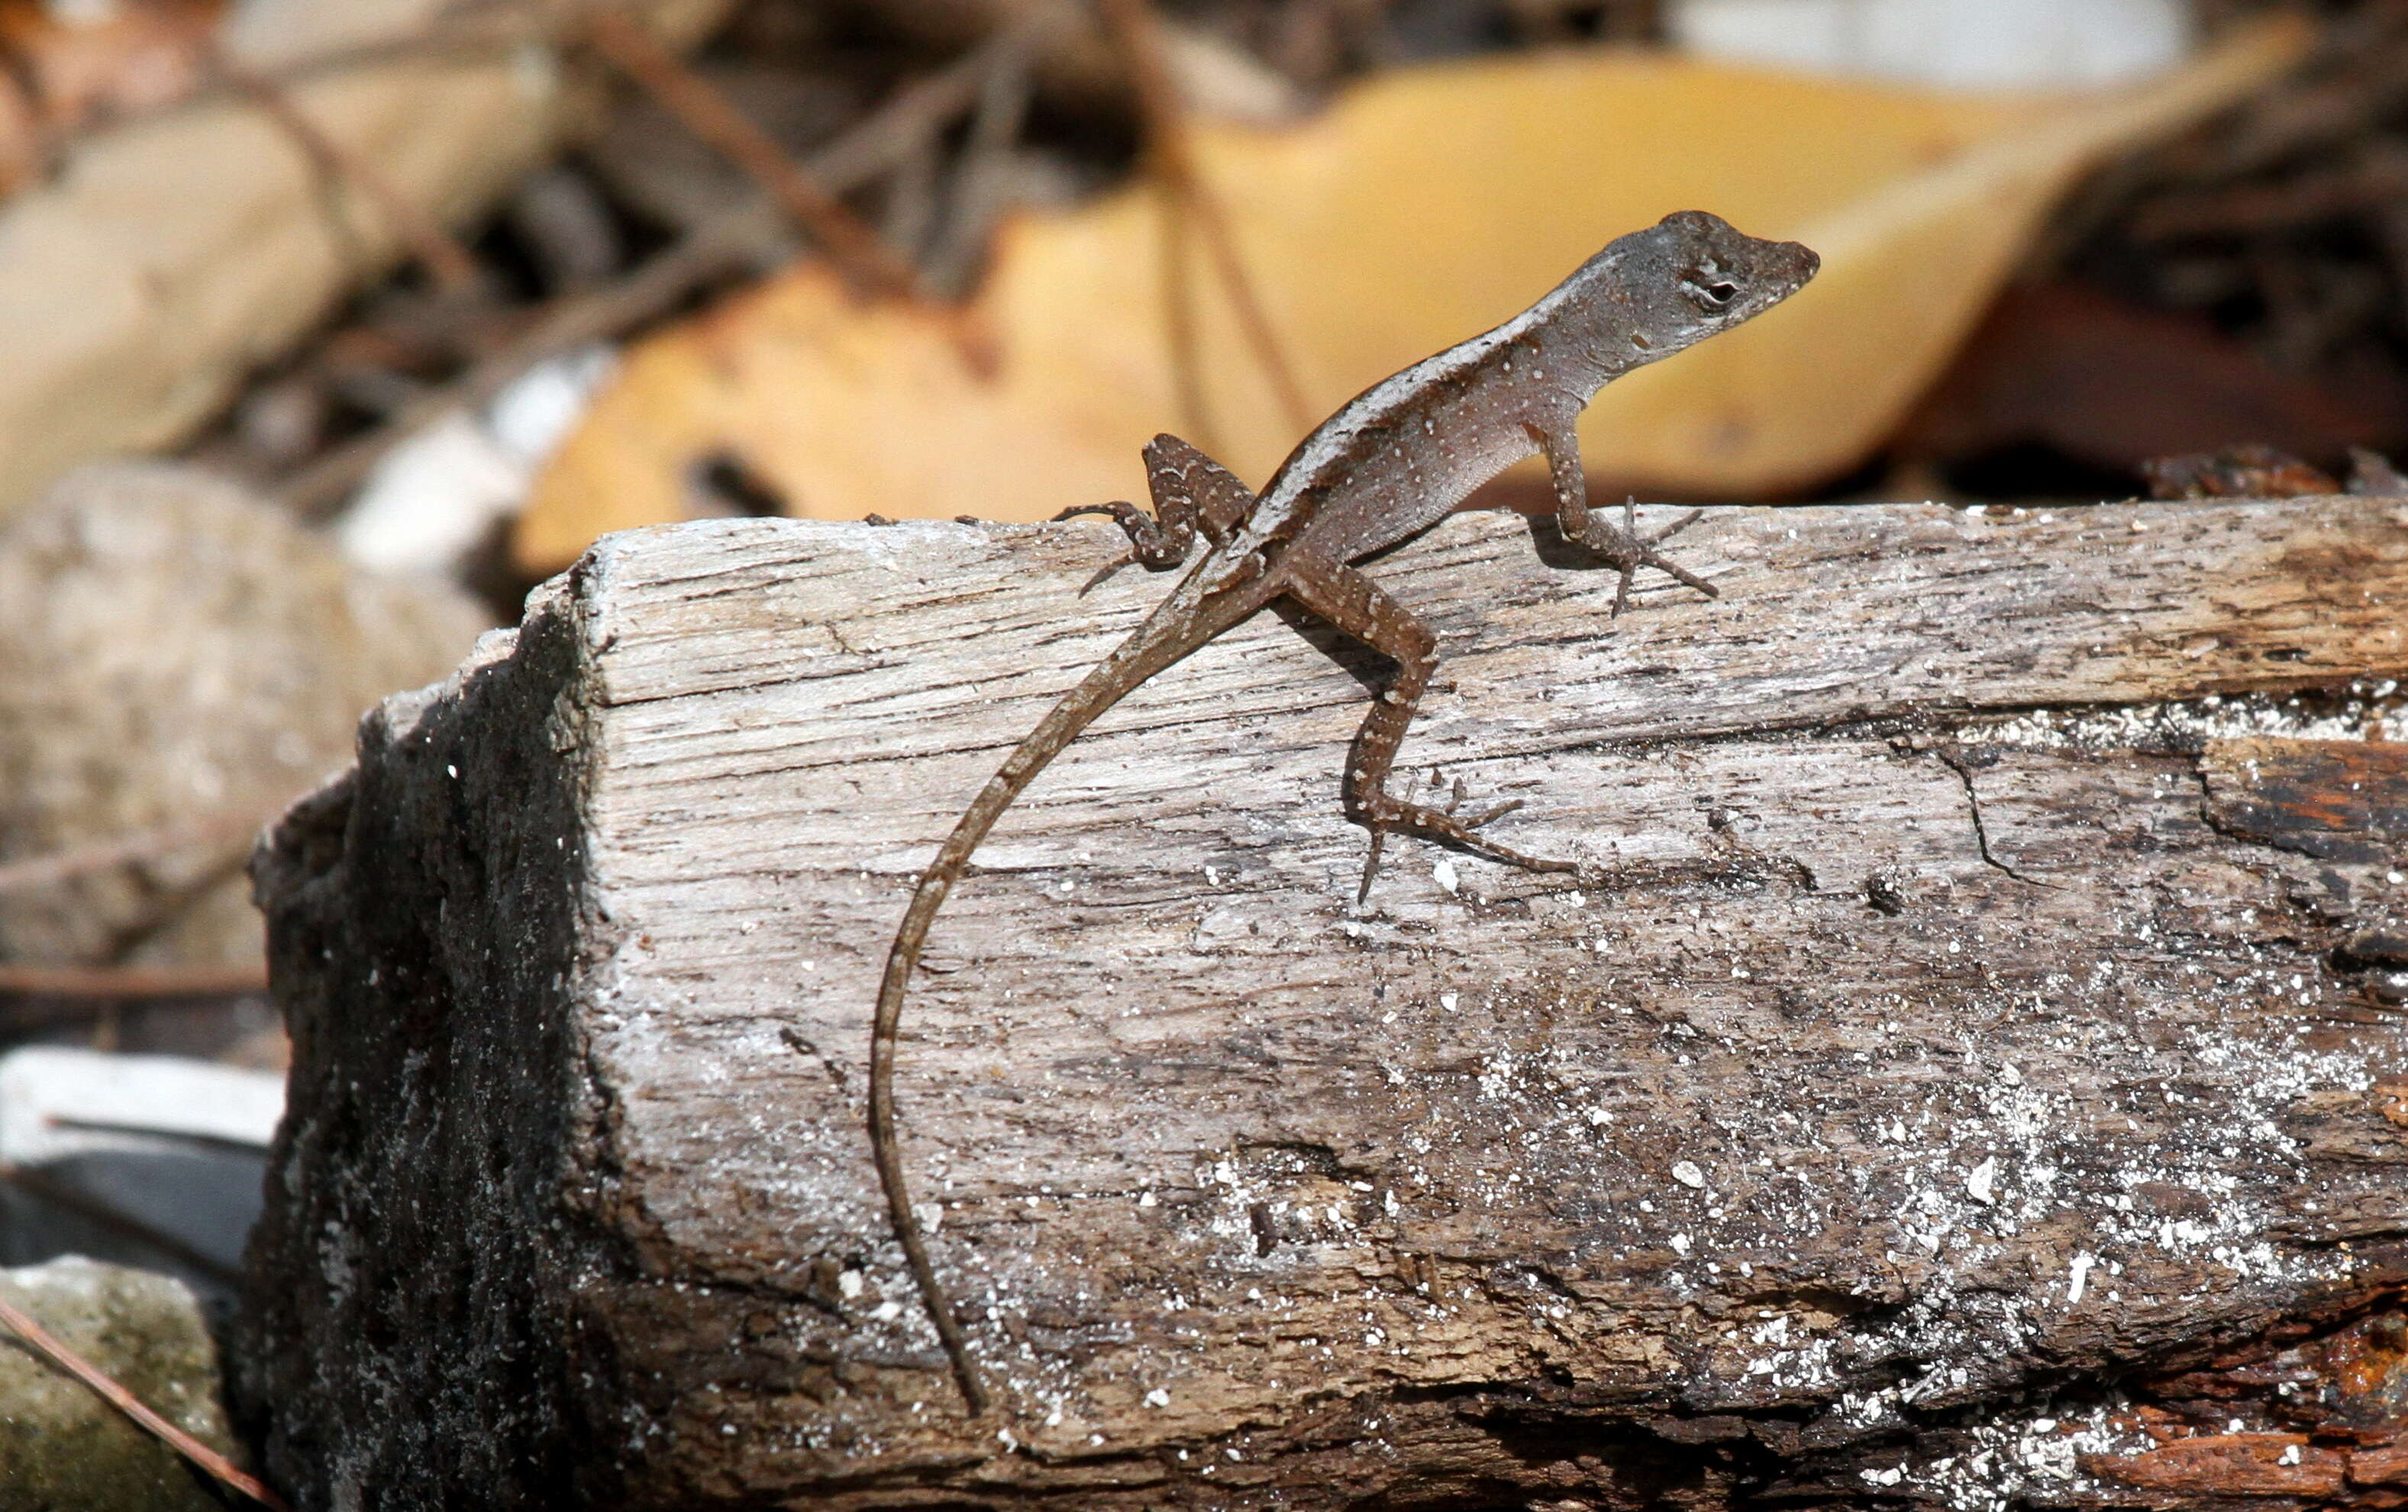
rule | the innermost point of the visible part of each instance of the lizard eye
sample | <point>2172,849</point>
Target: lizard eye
<point>1712,293</point>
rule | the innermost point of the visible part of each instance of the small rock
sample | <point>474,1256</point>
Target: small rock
<point>1981,1182</point>
<point>171,650</point>
<point>61,1447</point>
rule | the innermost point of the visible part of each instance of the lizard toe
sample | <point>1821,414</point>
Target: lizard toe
<point>1371,864</point>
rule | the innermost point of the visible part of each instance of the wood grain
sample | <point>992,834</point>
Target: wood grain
<point>1948,1038</point>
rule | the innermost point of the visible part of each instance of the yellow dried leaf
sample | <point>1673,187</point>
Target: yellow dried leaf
<point>1422,208</point>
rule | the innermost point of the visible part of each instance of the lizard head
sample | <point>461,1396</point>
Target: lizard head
<point>1693,275</point>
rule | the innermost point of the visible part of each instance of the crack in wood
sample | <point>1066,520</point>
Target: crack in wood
<point>1956,763</point>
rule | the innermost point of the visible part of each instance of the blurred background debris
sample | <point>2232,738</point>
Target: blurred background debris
<point>151,1161</point>
<point>183,660</point>
<point>2035,44</point>
<point>396,304</point>
<point>1331,276</point>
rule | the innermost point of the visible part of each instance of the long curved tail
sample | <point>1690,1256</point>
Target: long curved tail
<point>1184,622</point>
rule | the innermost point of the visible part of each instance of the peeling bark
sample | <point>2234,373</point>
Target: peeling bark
<point>1969,1075</point>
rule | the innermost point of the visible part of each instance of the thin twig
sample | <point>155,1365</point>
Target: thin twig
<point>1138,32</point>
<point>995,126</point>
<point>448,261</point>
<point>443,38</point>
<point>2378,178</point>
<point>56,866</point>
<point>132,981</point>
<point>910,204</point>
<point>658,286</point>
<point>68,1198</point>
<point>1194,407</point>
<point>850,241</point>
<point>916,111</point>
<point>725,245</point>
<point>217,1466</point>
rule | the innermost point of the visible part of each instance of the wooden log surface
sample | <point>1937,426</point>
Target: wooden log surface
<point>1974,1047</point>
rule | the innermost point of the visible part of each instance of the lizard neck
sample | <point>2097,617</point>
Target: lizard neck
<point>1591,335</point>
<point>1574,355</point>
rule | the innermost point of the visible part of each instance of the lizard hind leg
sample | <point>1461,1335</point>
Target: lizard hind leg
<point>1155,542</point>
<point>1354,606</point>
<point>1185,483</point>
<point>1193,496</point>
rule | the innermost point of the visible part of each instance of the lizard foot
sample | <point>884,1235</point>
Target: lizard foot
<point>1627,549</point>
<point>1446,826</point>
<point>1153,544</point>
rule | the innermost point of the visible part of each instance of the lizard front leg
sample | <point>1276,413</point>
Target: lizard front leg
<point>1354,606</point>
<point>1193,496</point>
<point>1621,545</point>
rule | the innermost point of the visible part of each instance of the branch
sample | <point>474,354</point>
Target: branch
<point>446,261</point>
<point>217,1466</point>
<point>813,207</point>
<point>132,981</point>
<point>137,845</point>
<point>72,1198</point>
<point>1138,32</point>
<point>711,250</point>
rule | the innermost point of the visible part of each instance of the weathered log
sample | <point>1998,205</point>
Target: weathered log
<point>1973,1049</point>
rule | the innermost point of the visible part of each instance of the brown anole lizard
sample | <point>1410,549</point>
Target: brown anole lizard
<point>1395,461</point>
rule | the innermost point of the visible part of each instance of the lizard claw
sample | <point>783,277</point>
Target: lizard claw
<point>1372,865</point>
<point>1454,804</point>
<point>1153,544</point>
<point>1629,550</point>
<point>1476,821</point>
<point>1106,574</point>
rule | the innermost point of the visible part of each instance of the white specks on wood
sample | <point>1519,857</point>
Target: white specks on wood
<point>1812,1112</point>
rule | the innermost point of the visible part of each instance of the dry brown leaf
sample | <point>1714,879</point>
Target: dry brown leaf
<point>1423,206</point>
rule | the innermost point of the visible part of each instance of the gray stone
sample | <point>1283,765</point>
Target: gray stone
<point>173,650</point>
<point>61,1447</point>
